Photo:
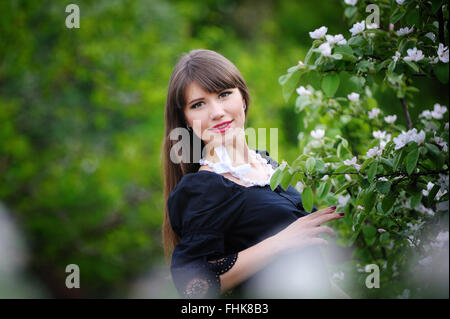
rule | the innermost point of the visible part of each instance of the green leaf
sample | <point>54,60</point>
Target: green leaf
<point>411,160</point>
<point>276,179</point>
<point>413,66</point>
<point>398,159</point>
<point>431,196</point>
<point>350,11</point>
<point>330,84</point>
<point>384,238</point>
<point>388,202</point>
<point>369,234</point>
<point>301,102</point>
<point>286,179</point>
<point>364,183</point>
<point>397,15</point>
<point>383,187</point>
<point>307,199</point>
<point>416,199</point>
<point>369,199</point>
<point>323,190</point>
<point>372,171</point>
<point>441,71</point>
<point>310,164</point>
<point>290,83</point>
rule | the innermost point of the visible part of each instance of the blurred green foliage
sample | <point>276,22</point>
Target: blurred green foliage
<point>82,118</point>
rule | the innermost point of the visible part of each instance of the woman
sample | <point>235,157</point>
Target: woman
<point>223,224</point>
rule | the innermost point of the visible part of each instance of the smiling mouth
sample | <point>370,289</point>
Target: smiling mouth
<point>222,126</point>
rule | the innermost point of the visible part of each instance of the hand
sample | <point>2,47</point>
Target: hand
<point>304,231</point>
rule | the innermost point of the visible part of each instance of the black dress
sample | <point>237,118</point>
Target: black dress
<point>216,218</point>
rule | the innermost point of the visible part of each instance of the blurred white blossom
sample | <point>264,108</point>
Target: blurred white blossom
<point>442,53</point>
<point>318,134</point>
<point>351,2</point>
<point>396,56</point>
<point>354,97</point>
<point>374,113</point>
<point>405,30</point>
<point>318,33</point>
<point>325,49</point>
<point>358,27</point>
<point>390,119</point>
<point>414,55</point>
<point>302,91</point>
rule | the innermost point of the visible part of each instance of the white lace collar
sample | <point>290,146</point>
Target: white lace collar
<point>225,166</point>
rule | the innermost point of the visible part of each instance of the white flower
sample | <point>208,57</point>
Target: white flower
<point>430,35</point>
<point>425,261</point>
<point>301,64</point>
<point>351,2</point>
<point>318,33</point>
<point>429,187</point>
<point>426,114</point>
<point>383,179</point>
<point>318,134</point>
<point>407,137</point>
<point>446,126</point>
<point>440,141</point>
<point>422,209</point>
<point>433,60</point>
<point>325,49</point>
<point>374,151</point>
<point>348,178</point>
<point>381,230</point>
<point>300,187</point>
<point>396,56</point>
<point>343,200</point>
<point>302,91</point>
<point>358,27</point>
<point>414,55</point>
<point>374,113</point>
<point>338,38</point>
<point>360,207</point>
<point>443,53</point>
<point>352,162</point>
<point>405,30</point>
<point>324,178</point>
<point>438,111</point>
<point>380,135</point>
<point>400,2</point>
<point>354,97</point>
<point>390,119</point>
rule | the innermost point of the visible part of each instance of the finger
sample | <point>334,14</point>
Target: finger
<point>329,217</point>
<point>318,242</point>
<point>321,212</point>
<point>323,230</point>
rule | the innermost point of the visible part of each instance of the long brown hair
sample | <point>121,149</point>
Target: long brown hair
<point>214,73</point>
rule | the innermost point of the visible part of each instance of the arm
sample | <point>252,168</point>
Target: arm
<point>338,291</point>
<point>301,233</point>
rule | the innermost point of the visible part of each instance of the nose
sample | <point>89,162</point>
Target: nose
<point>216,111</point>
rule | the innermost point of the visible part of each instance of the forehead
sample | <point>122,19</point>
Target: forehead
<point>194,90</point>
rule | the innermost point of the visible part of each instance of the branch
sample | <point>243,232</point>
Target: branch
<point>441,26</point>
<point>405,110</point>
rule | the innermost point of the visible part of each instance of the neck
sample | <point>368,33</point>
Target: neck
<point>238,152</point>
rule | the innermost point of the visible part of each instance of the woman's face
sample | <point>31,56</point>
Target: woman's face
<point>206,110</point>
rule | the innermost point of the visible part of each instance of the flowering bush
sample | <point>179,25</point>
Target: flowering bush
<point>392,181</point>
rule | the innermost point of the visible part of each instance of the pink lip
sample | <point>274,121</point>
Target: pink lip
<point>221,130</point>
